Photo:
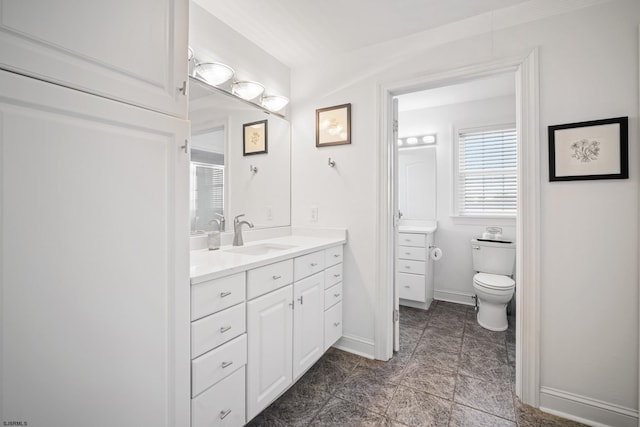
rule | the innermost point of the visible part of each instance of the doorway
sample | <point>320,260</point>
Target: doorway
<point>527,223</point>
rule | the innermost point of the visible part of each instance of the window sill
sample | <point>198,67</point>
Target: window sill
<point>484,220</point>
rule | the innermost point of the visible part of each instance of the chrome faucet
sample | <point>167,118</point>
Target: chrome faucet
<point>222,222</point>
<point>237,230</point>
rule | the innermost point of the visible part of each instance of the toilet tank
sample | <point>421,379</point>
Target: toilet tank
<point>493,257</point>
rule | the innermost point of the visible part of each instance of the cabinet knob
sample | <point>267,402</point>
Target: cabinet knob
<point>336,255</point>
<point>223,414</point>
<point>336,275</point>
<point>313,264</point>
<point>336,295</point>
<point>276,277</point>
<point>224,294</point>
<point>224,329</point>
<point>226,364</point>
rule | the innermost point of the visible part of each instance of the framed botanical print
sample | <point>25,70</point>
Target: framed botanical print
<point>254,138</point>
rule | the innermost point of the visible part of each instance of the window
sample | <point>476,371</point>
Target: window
<point>486,172</point>
<point>207,195</point>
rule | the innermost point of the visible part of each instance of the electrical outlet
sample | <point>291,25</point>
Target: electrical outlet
<point>269,213</point>
<point>314,214</point>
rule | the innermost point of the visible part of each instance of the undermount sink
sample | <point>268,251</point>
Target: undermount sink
<point>260,249</point>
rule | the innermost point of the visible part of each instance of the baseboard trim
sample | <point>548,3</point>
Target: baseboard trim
<point>356,345</point>
<point>586,410</point>
<point>451,296</point>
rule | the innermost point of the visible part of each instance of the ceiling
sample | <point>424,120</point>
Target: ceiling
<point>297,32</point>
<point>474,90</point>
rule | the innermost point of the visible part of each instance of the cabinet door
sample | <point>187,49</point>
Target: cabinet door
<point>131,51</point>
<point>269,347</point>
<point>95,269</point>
<point>308,322</point>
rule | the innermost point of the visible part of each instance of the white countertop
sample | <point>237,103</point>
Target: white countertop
<point>207,265</point>
<point>417,229</point>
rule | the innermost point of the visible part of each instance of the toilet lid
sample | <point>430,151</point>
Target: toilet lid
<point>494,281</point>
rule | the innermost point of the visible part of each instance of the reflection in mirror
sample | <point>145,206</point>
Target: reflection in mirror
<point>223,180</point>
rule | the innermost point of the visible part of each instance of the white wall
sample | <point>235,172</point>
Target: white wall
<point>589,242</point>
<point>453,274</point>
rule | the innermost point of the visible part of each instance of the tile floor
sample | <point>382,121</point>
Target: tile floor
<point>449,372</point>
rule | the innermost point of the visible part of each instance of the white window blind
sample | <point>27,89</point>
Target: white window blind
<point>207,195</point>
<point>487,172</point>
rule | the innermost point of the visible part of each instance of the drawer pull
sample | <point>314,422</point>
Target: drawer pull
<point>223,414</point>
<point>336,295</point>
<point>408,267</point>
<point>336,324</point>
<point>407,253</point>
<point>224,329</point>
<point>314,264</point>
<point>226,364</point>
<point>336,255</point>
<point>407,286</point>
<point>224,294</point>
<point>276,277</point>
<point>407,240</point>
<point>336,275</point>
<point>300,299</point>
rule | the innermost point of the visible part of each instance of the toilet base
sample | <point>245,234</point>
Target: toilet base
<point>492,316</point>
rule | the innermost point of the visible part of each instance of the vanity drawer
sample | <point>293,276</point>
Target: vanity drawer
<point>411,252</point>
<point>333,255</point>
<point>307,265</point>
<point>332,275</point>
<point>265,279</point>
<point>215,295</point>
<point>409,266</point>
<point>410,239</point>
<point>332,325</point>
<point>211,331</point>
<point>412,287</point>
<point>215,365</point>
<point>332,295</point>
<point>221,405</point>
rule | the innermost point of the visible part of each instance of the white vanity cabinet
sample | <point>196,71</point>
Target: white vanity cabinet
<point>286,322</point>
<point>218,352</point>
<point>130,51</point>
<point>414,269</point>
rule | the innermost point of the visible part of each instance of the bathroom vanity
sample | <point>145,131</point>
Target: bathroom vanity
<point>414,266</point>
<point>261,315</point>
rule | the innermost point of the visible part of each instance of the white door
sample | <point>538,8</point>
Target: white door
<point>308,322</point>
<point>269,348</point>
<point>131,51</point>
<point>94,265</point>
<point>396,219</point>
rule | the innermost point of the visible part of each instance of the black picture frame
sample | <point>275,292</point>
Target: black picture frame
<point>255,138</point>
<point>597,149</point>
<point>336,118</point>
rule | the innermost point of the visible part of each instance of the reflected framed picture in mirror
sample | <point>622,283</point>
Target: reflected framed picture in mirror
<point>254,138</point>
<point>333,125</point>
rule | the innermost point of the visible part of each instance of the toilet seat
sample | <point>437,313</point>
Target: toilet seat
<point>494,281</point>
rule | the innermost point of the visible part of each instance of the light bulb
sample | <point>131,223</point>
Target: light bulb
<point>247,90</point>
<point>274,102</point>
<point>214,73</point>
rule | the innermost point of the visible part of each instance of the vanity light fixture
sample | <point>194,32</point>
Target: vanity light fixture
<point>274,102</point>
<point>247,90</point>
<point>214,73</point>
<point>417,141</point>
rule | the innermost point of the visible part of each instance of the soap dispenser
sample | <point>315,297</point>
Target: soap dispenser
<point>213,236</point>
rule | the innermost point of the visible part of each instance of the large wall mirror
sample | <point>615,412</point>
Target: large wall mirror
<point>226,178</point>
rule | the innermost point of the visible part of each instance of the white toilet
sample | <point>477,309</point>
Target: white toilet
<point>494,263</point>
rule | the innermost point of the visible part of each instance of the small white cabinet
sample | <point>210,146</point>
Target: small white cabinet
<point>130,51</point>
<point>414,269</point>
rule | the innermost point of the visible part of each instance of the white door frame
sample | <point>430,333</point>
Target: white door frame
<point>528,216</point>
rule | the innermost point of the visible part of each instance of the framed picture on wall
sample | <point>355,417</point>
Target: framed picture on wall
<point>254,138</point>
<point>333,125</point>
<point>596,149</point>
